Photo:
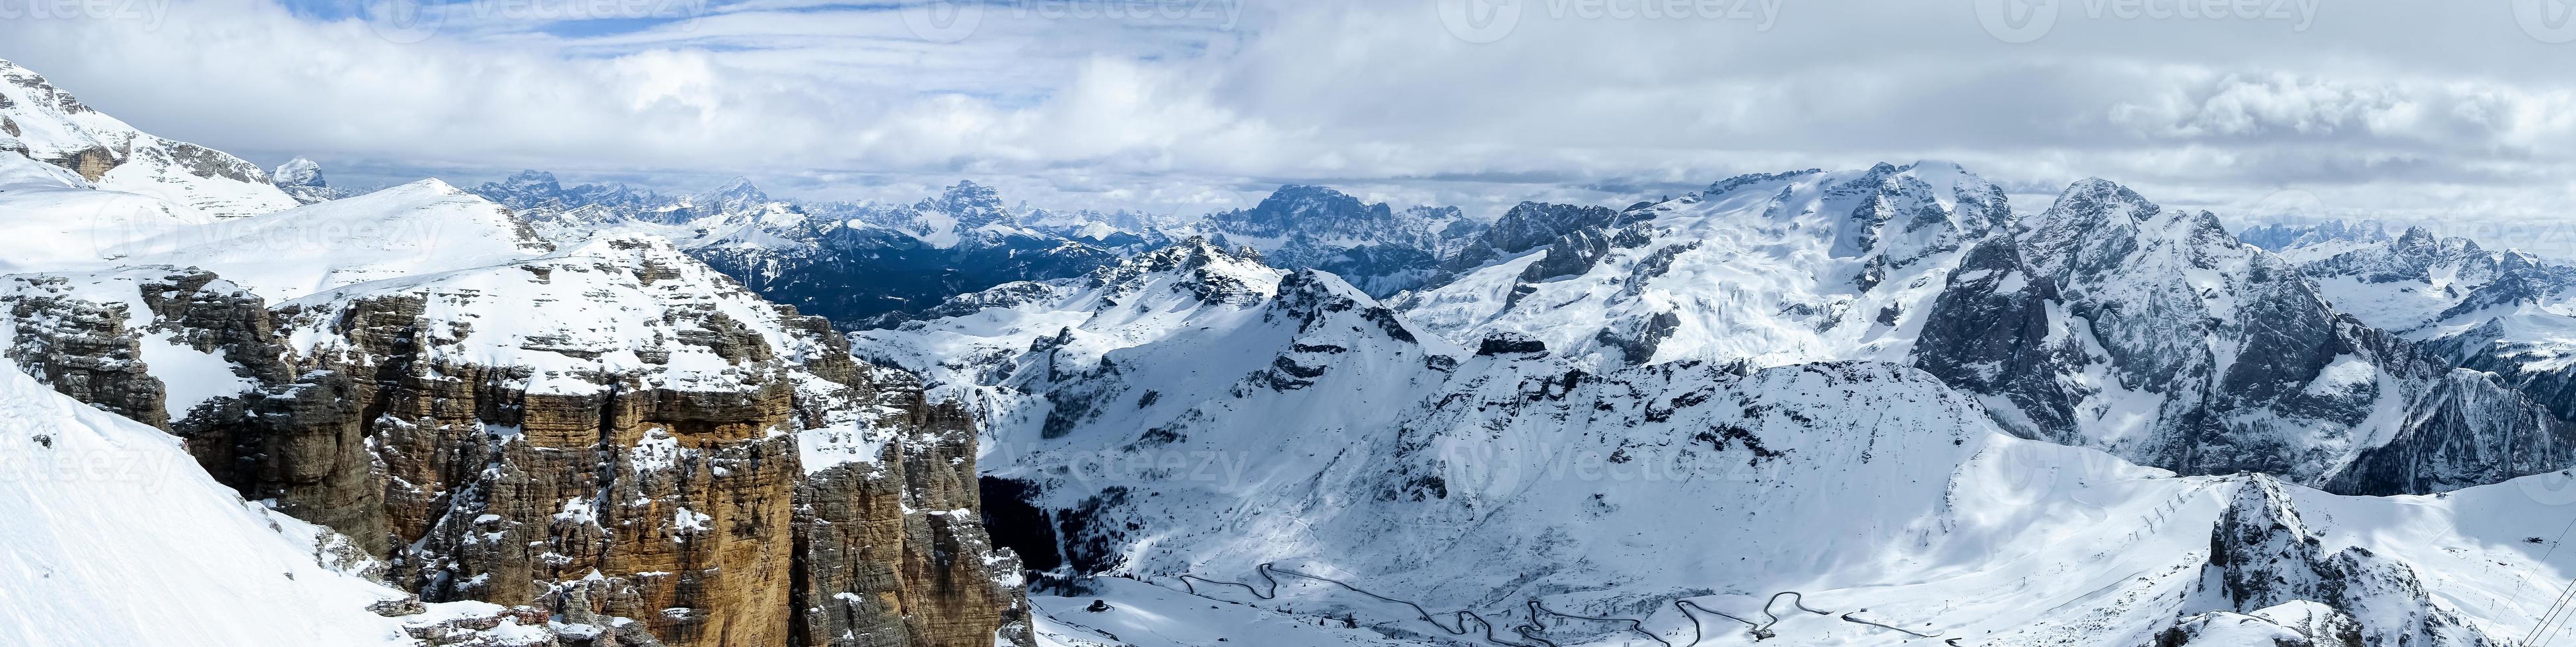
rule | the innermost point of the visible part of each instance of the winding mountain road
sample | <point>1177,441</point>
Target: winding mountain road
<point>1539,611</point>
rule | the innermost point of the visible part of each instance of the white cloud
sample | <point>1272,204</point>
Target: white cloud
<point>2430,112</point>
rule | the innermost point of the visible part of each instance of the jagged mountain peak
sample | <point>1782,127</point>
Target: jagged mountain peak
<point>1311,198</point>
<point>302,179</point>
<point>300,171</point>
<point>1382,249</point>
<point>2094,199</point>
<point>1211,272</point>
<point>738,188</point>
<point>973,205</point>
<point>735,197</point>
<point>2418,240</point>
<point>2333,236</point>
<point>1768,268</point>
<point>532,177</point>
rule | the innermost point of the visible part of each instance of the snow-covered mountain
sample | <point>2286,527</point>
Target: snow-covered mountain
<point>44,123</point>
<point>1195,413</point>
<point>2407,282</point>
<point>857,265</point>
<point>302,179</point>
<point>1381,249</point>
<point>1872,406</point>
<point>1768,269</point>
<point>609,443</point>
<point>2104,321</point>
<point>418,228</point>
<point>972,348</point>
<point>2303,242</point>
<point>2505,313</point>
<point>429,416</point>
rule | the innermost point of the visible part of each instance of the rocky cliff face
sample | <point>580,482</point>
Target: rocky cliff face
<point>2110,321</point>
<point>2264,560</point>
<point>1526,226</point>
<point>1378,248</point>
<point>661,446</point>
<point>302,179</point>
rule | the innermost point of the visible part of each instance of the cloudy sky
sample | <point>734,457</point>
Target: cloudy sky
<point>2450,112</point>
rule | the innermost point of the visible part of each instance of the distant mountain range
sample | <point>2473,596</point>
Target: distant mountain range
<point>1815,407</point>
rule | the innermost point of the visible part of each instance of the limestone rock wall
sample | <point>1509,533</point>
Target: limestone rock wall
<point>684,509</point>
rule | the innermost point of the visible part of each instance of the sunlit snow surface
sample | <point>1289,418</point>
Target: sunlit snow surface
<point>115,537</point>
<point>49,124</point>
<point>1296,429</point>
<point>1766,271</point>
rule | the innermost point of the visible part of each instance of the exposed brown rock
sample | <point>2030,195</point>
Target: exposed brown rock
<point>91,163</point>
<point>84,349</point>
<point>630,512</point>
<point>884,577</point>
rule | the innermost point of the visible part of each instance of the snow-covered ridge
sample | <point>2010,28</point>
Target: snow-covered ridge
<point>1380,248</point>
<point>44,123</point>
<point>614,306</point>
<point>422,227</point>
<point>302,179</point>
<point>970,350</point>
<point>1306,434</point>
<point>1771,269</point>
<point>117,538</point>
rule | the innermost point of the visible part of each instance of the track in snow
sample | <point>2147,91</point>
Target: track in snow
<point>1761,630</point>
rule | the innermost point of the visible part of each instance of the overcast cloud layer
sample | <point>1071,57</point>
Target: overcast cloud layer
<point>2458,112</point>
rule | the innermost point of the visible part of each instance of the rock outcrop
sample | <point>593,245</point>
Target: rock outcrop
<point>2264,560</point>
<point>660,456</point>
<point>2110,321</point>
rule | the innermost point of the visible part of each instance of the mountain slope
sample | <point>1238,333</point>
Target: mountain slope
<point>44,123</point>
<point>1383,250</point>
<point>616,441</point>
<point>660,439</point>
<point>2103,321</point>
<point>54,219</point>
<point>302,179</point>
<point>857,265</point>
<point>2504,313</point>
<point>1768,269</point>
<point>2155,334</point>
<point>418,228</point>
<point>970,351</point>
<point>116,539</point>
<point>1313,428</point>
